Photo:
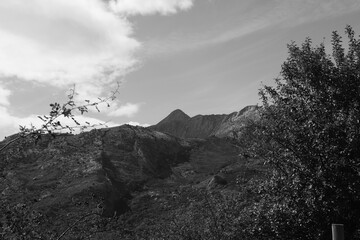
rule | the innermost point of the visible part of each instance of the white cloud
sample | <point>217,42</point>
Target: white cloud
<point>146,7</point>
<point>64,41</point>
<point>4,95</point>
<point>5,118</point>
<point>61,42</point>
<point>9,124</point>
<point>138,124</point>
<point>128,110</point>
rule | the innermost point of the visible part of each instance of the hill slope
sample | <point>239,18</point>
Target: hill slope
<point>143,175</point>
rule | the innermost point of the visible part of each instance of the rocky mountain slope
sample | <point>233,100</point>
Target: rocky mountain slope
<point>71,175</point>
<point>72,186</point>
<point>177,123</point>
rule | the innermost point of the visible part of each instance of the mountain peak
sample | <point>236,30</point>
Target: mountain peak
<point>176,115</point>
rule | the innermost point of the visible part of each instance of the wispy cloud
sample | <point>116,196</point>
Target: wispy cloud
<point>138,124</point>
<point>179,42</point>
<point>146,7</point>
<point>4,95</point>
<point>296,12</point>
<point>252,16</point>
<point>128,110</point>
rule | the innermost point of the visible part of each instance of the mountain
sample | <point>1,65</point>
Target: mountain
<point>175,122</point>
<point>233,123</point>
<point>176,115</point>
<point>123,182</point>
<point>73,174</point>
<point>181,125</point>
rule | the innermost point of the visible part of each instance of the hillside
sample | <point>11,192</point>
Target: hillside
<point>142,176</point>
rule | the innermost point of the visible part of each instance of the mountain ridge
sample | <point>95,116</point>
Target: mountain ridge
<point>139,174</point>
<point>204,126</point>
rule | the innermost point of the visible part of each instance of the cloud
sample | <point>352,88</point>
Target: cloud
<point>128,110</point>
<point>146,7</point>
<point>251,17</point>
<point>176,43</point>
<point>5,118</point>
<point>61,42</point>
<point>4,95</point>
<point>296,12</point>
<point>64,41</point>
<point>138,124</point>
<point>9,124</point>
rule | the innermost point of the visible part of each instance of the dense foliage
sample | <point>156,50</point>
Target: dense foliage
<point>309,133</point>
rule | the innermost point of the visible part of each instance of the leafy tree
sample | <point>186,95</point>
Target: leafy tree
<point>309,133</point>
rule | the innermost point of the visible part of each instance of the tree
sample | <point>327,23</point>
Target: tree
<point>52,125</point>
<point>309,134</point>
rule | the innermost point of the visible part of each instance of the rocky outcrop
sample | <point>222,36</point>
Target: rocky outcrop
<point>181,125</point>
<point>233,123</point>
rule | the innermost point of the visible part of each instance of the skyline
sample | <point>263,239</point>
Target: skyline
<point>204,57</point>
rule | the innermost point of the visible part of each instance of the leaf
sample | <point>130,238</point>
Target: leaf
<point>41,118</point>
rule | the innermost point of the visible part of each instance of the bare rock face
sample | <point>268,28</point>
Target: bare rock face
<point>72,175</point>
<point>234,122</point>
<point>181,125</point>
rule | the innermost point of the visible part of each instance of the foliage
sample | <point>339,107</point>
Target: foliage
<point>20,222</point>
<point>51,123</point>
<point>309,133</point>
<point>196,213</point>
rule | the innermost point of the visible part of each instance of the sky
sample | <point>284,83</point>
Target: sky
<point>201,56</point>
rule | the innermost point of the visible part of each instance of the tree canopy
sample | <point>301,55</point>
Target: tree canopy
<point>309,133</point>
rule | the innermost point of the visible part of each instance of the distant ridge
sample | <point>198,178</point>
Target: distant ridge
<point>179,124</point>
